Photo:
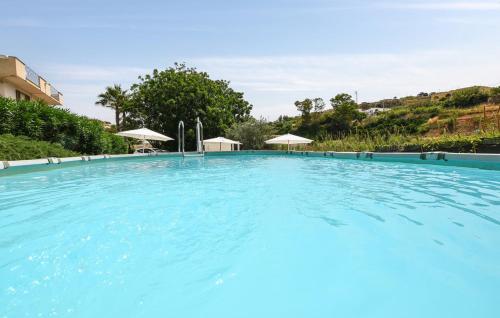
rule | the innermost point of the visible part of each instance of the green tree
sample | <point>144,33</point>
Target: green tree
<point>161,99</point>
<point>305,107</point>
<point>116,98</point>
<point>319,104</point>
<point>251,133</point>
<point>284,124</point>
<point>344,114</point>
<point>342,100</point>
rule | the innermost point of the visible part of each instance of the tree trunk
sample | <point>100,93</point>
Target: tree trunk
<point>124,117</point>
<point>117,119</point>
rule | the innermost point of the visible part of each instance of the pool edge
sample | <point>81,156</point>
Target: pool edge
<point>473,160</point>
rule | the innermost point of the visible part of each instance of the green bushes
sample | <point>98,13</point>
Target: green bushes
<point>483,142</point>
<point>358,142</point>
<point>251,133</point>
<point>466,97</point>
<point>494,95</point>
<point>409,121</point>
<point>450,143</point>
<point>38,121</point>
<point>21,148</point>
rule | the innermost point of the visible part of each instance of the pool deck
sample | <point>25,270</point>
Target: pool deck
<point>486,161</point>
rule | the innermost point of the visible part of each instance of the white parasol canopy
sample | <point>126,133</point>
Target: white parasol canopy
<point>144,134</point>
<point>288,139</point>
<point>220,141</point>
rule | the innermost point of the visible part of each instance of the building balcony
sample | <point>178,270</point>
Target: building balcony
<point>23,80</point>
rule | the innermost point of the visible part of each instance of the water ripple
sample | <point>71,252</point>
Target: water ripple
<point>148,236</point>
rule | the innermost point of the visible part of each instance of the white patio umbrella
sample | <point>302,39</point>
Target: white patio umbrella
<point>144,134</point>
<point>288,139</point>
<point>220,141</point>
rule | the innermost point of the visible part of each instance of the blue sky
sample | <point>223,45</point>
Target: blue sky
<point>275,51</point>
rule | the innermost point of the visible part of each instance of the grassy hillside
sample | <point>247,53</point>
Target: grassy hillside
<point>466,120</point>
<point>426,99</point>
<point>20,148</point>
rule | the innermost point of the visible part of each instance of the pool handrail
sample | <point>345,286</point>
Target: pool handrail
<point>199,137</point>
<point>180,136</point>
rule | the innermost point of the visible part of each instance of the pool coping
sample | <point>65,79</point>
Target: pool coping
<point>491,161</point>
<point>433,155</point>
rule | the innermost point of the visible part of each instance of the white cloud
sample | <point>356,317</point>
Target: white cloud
<point>80,84</point>
<point>273,83</point>
<point>454,5</point>
<point>470,21</point>
<point>112,24</point>
<point>77,72</point>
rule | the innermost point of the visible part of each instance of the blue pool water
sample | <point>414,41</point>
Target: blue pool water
<point>250,236</point>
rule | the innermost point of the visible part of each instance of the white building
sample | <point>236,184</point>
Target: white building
<point>374,111</point>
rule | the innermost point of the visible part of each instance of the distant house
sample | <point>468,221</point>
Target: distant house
<point>374,111</point>
<point>18,81</point>
<point>106,124</point>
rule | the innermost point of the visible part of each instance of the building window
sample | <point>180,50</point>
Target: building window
<point>21,96</point>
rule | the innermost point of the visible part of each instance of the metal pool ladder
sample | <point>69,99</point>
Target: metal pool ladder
<point>181,137</point>
<point>200,152</point>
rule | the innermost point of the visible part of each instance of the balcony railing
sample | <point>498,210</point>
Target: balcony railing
<point>32,76</point>
<point>54,93</point>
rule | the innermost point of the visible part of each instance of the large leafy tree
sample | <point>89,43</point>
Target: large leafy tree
<point>345,113</point>
<point>319,104</point>
<point>251,133</point>
<point>161,99</point>
<point>305,107</point>
<point>342,100</point>
<point>116,98</point>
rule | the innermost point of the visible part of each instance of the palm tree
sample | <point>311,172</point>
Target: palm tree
<point>116,98</point>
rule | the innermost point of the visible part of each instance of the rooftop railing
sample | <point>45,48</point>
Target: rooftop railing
<point>54,93</point>
<point>32,76</point>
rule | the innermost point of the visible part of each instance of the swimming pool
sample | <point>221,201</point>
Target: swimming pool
<point>250,236</point>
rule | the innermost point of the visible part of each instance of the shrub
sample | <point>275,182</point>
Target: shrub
<point>494,95</point>
<point>466,97</point>
<point>405,143</point>
<point>494,99</point>
<point>251,133</point>
<point>20,148</point>
<point>401,119</point>
<point>39,121</point>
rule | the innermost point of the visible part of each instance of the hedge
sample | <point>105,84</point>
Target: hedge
<point>21,148</point>
<point>39,121</point>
